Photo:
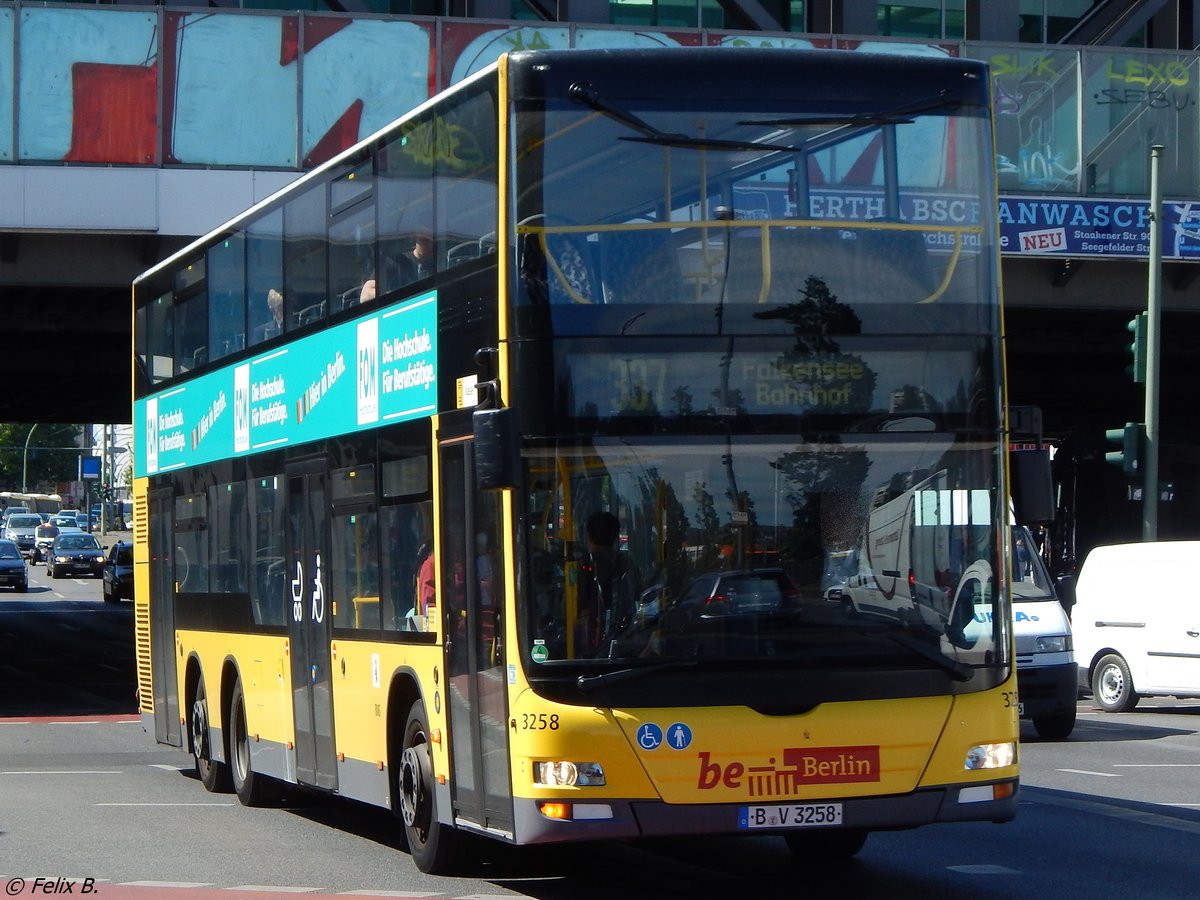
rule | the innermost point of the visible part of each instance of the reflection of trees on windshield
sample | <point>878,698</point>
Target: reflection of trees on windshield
<point>824,491</point>
<point>825,487</point>
<point>818,375</point>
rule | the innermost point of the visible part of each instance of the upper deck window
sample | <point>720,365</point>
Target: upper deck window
<point>718,204</point>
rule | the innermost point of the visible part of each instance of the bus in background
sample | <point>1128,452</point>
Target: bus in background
<point>488,473</point>
<point>38,503</point>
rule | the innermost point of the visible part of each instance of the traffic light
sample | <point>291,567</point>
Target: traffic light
<point>1129,439</point>
<point>1138,326</point>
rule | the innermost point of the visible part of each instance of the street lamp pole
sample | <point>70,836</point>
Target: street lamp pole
<point>25,461</point>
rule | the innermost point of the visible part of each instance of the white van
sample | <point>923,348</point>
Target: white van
<point>1046,671</point>
<point>1137,623</point>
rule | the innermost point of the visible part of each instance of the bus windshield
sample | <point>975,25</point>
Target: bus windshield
<point>767,320</point>
<point>690,550</point>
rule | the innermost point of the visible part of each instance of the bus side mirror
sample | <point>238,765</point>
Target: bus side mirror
<point>497,449</point>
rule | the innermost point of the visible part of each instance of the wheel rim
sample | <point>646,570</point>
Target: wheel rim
<point>1112,684</point>
<point>200,729</point>
<point>414,780</point>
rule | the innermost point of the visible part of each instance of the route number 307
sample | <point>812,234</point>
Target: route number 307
<point>539,722</point>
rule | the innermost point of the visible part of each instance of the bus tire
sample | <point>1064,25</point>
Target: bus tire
<point>247,785</point>
<point>213,775</point>
<point>430,843</point>
<point>825,844</point>
<point>1112,684</point>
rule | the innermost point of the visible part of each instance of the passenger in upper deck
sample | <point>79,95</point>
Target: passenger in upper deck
<point>367,293</point>
<point>274,327</point>
<point>422,256</point>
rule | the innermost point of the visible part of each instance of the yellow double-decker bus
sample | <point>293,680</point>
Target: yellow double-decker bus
<point>503,471</point>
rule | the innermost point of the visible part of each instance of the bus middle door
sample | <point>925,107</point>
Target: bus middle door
<point>309,627</point>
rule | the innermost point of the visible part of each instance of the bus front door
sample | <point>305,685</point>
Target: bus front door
<point>309,626</point>
<point>472,581</point>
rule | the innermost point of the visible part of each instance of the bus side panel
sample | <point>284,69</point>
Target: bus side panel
<point>363,672</point>
<point>261,663</point>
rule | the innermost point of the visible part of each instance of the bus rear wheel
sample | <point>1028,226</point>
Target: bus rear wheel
<point>433,845</point>
<point>213,775</point>
<point>828,844</point>
<point>248,786</point>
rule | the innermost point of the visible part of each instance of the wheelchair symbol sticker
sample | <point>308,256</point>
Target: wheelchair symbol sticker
<point>650,736</point>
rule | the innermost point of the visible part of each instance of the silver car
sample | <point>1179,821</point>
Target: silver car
<point>21,529</point>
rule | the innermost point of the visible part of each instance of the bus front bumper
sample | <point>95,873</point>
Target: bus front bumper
<point>606,819</point>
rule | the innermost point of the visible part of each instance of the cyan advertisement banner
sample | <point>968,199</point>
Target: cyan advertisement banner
<point>1109,228</point>
<point>373,370</point>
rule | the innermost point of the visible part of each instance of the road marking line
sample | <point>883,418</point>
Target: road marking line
<point>162,804</point>
<point>1086,772</point>
<point>113,719</point>
<point>167,768</point>
<point>269,888</point>
<point>1156,765</point>
<point>62,772</point>
<point>166,884</point>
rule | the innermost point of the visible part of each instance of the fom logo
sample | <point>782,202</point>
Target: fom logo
<point>800,767</point>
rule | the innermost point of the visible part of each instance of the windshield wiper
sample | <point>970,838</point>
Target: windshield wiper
<point>699,143</point>
<point>588,683</point>
<point>585,93</point>
<point>901,115</point>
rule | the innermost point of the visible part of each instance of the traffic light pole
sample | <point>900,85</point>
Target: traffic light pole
<point>1153,346</point>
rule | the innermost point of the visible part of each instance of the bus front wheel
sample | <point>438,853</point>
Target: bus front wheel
<point>430,842</point>
<point>213,775</point>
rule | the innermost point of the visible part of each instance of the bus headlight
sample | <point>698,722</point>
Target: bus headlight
<point>1053,643</point>
<point>568,774</point>
<point>991,756</point>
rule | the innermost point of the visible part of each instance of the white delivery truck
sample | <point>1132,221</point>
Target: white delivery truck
<point>1137,623</point>
<point>1047,675</point>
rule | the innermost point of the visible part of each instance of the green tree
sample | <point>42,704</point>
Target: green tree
<point>48,459</point>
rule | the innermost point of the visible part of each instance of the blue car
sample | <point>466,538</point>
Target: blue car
<point>118,572</point>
